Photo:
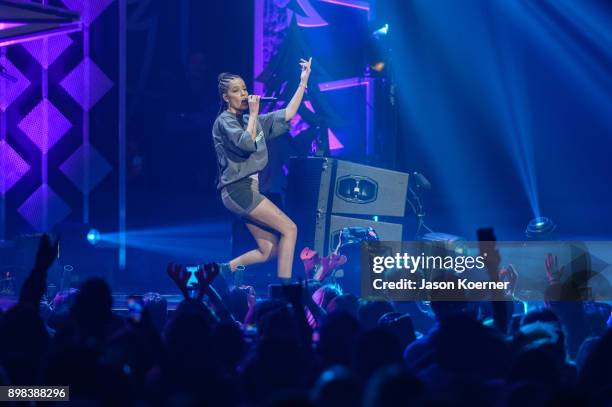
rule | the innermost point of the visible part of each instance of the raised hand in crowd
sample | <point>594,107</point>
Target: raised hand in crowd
<point>205,276</point>
<point>295,295</point>
<point>180,276</point>
<point>35,284</point>
<point>553,272</point>
<point>492,259</point>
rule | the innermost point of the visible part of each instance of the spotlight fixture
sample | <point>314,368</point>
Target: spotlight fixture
<point>93,236</point>
<point>378,50</point>
<point>378,66</point>
<point>384,30</point>
<point>540,227</point>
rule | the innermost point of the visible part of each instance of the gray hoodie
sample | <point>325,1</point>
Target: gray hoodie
<point>238,155</point>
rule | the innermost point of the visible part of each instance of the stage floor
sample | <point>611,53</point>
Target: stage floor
<point>119,302</point>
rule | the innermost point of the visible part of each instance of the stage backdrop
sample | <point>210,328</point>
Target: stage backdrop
<point>59,137</point>
<point>337,118</point>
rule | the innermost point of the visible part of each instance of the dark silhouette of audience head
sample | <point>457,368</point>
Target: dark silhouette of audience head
<point>337,334</point>
<point>24,342</point>
<point>391,384</point>
<point>399,325</point>
<point>92,310</point>
<point>337,386</point>
<point>157,308</point>
<point>370,312</point>
<point>345,302</point>
<point>375,349</point>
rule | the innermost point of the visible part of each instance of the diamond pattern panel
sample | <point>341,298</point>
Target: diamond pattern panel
<point>89,9</point>
<point>56,45</point>
<point>45,125</point>
<point>87,84</point>
<point>44,202</point>
<point>86,168</point>
<point>12,167</point>
<point>9,90</point>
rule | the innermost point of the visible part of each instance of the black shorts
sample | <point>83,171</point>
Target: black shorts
<point>242,196</point>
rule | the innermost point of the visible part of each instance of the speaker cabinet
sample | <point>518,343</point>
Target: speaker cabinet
<point>385,230</point>
<point>363,190</point>
<point>325,195</point>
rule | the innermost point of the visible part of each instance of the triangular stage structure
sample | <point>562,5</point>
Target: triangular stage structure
<point>20,22</point>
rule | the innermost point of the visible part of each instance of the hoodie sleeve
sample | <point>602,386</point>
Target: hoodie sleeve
<point>274,123</point>
<point>237,135</point>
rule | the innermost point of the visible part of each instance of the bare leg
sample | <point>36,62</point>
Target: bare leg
<point>268,214</point>
<point>267,247</point>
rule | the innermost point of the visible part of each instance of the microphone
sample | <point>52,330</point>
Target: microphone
<point>268,98</point>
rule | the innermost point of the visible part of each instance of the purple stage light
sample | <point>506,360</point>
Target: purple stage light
<point>87,84</point>
<point>308,105</point>
<point>56,45</point>
<point>362,5</point>
<point>88,9</point>
<point>44,208</point>
<point>45,125</point>
<point>310,18</point>
<point>12,167</point>
<point>6,26</point>
<point>334,143</point>
<point>34,34</point>
<point>9,91</point>
<point>297,125</point>
<point>86,168</point>
<point>42,29</point>
<point>22,21</point>
<point>37,36</point>
<point>342,84</point>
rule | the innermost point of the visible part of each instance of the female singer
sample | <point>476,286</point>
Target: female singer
<point>240,143</point>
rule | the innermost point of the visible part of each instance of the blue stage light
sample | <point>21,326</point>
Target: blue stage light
<point>384,30</point>
<point>194,241</point>
<point>540,227</point>
<point>93,236</point>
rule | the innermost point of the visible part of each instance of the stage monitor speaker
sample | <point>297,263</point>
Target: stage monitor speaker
<point>363,190</point>
<point>318,184</point>
<point>329,239</point>
<point>319,189</point>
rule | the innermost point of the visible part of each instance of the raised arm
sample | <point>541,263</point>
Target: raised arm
<point>294,103</point>
<point>36,283</point>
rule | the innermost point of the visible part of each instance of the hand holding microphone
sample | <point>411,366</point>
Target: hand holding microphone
<point>253,104</point>
<point>255,99</point>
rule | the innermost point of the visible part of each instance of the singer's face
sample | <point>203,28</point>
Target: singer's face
<point>237,95</point>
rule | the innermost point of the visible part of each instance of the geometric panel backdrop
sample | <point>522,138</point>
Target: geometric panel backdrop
<point>58,125</point>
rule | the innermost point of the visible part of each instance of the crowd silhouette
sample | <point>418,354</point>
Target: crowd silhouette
<point>312,346</point>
